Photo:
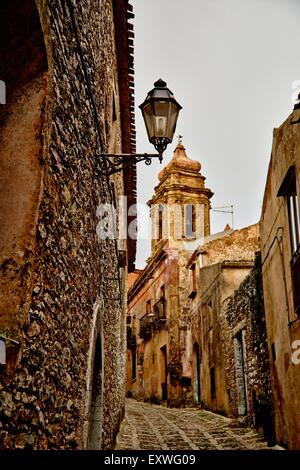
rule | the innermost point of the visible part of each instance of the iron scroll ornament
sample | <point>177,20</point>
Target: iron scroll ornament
<point>113,163</point>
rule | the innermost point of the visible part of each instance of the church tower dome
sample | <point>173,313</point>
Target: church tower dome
<point>181,203</point>
<point>180,161</point>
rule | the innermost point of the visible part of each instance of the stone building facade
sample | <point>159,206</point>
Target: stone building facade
<point>280,243</point>
<point>247,356</point>
<point>227,337</point>
<point>68,71</point>
<point>158,303</point>
<point>196,334</point>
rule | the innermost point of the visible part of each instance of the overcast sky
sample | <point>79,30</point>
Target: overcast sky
<point>231,64</point>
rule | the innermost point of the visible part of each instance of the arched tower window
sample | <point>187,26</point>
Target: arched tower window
<point>190,220</point>
<point>160,222</point>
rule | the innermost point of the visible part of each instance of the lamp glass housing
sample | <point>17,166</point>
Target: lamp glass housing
<point>151,317</point>
<point>160,112</point>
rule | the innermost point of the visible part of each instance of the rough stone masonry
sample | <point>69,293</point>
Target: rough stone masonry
<point>61,317</point>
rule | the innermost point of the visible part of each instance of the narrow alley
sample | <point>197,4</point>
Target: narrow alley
<point>154,427</point>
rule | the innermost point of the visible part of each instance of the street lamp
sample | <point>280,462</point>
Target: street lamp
<point>160,112</point>
<point>151,318</point>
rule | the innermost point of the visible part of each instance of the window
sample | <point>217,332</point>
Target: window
<point>273,352</point>
<point>190,220</point>
<point>160,222</point>
<point>193,292</point>
<point>288,189</point>
<point>212,382</point>
<point>194,277</point>
<point>160,307</point>
<point>133,375</point>
<point>114,110</point>
<point>293,214</point>
<point>210,315</point>
<point>148,306</point>
<point>113,194</point>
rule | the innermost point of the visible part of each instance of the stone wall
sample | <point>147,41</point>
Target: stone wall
<point>245,342</point>
<point>219,264</point>
<point>278,263</point>
<point>61,281</point>
<point>238,245</point>
<point>216,283</point>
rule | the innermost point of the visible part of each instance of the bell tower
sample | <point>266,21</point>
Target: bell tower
<point>180,206</point>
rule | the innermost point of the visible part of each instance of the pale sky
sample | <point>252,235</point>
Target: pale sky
<point>231,64</point>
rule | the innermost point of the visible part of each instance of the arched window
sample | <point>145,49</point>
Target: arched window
<point>160,222</point>
<point>196,364</point>
<point>190,220</point>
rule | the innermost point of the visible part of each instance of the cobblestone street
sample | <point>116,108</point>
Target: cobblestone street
<point>153,427</point>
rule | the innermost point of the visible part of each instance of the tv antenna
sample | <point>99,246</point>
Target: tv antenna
<point>229,210</point>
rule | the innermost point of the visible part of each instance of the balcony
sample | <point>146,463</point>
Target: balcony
<point>295,270</point>
<point>145,327</point>
<point>131,338</point>
<point>160,311</point>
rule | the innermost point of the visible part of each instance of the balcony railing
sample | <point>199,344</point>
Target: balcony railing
<point>131,338</point>
<point>160,311</point>
<point>295,269</point>
<point>145,327</point>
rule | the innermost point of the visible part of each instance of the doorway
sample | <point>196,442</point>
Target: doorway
<point>164,373</point>
<point>240,373</point>
<point>95,418</point>
<point>196,365</point>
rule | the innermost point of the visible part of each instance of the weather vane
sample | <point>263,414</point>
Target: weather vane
<point>179,139</point>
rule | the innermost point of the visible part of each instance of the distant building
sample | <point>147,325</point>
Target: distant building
<point>226,329</point>
<point>280,244</point>
<point>158,303</point>
<point>220,332</point>
<point>68,71</point>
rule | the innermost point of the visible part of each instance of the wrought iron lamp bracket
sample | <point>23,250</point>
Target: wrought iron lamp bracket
<point>113,163</point>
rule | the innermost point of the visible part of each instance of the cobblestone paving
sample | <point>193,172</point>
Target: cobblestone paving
<point>153,427</point>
